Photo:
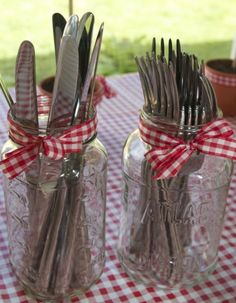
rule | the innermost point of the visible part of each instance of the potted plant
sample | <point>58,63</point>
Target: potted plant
<point>101,89</point>
<point>222,74</point>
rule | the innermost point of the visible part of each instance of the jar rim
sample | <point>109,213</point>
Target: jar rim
<point>35,130</point>
<point>59,124</point>
<point>156,120</point>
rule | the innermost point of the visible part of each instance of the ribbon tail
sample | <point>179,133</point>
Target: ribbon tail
<point>18,160</point>
<point>220,147</point>
<point>170,166</point>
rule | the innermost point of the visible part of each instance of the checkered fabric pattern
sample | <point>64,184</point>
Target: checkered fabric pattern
<point>25,89</point>
<point>226,81</point>
<point>168,154</point>
<point>54,147</point>
<point>117,118</point>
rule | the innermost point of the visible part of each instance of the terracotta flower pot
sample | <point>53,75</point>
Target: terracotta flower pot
<point>46,88</point>
<point>223,80</point>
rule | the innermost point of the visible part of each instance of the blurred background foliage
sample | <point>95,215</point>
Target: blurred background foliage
<point>205,28</point>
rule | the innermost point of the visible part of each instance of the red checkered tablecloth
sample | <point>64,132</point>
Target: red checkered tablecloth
<point>117,118</point>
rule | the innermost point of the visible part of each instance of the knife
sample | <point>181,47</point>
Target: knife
<point>71,27</point>
<point>64,90</point>
<point>26,97</point>
<point>90,78</point>
<point>81,31</point>
<point>58,24</point>
<point>84,41</point>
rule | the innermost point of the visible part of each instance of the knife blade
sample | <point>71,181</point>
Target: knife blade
<point>90,77</point>
<point>65,85</point>
<point>58,24</point>
<point>81,31</point>
<point>26,97</point>
<point>71,27</point>
<point>85,44</point>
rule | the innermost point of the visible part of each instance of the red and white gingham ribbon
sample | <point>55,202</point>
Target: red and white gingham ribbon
<point>168,154</point>
<point>54,147</point>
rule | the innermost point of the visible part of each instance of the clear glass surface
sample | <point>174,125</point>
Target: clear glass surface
<point>170,229</point>
<point>56,221</point>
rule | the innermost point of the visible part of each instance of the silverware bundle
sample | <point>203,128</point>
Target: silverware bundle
<point>51,263</point>
<point>175,91</point>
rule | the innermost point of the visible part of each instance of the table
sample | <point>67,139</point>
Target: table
<point>117,118</point>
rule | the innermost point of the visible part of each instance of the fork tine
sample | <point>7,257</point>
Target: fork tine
<point>169,101</point>
<point>202,68</point>
<point>206,100</point>
<point>153,82</point>
<point>161,90</point>
<point>148,63</point>
<point>170,52</point>
<point>183,87</point>
<point>178,63</point>
<point>147,105</point>
<point>195,82</point>
<point>145,65</point>
<point>178,47</point>
<point>213,98</point>
<point>156,86</point>
<point>174,94</point>
<point>173,88</point>
<point>154,46</point>
<point>162,52</point>
<point>173,62</point>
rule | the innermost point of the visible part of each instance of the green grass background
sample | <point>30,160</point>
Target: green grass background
<point>205,28</point>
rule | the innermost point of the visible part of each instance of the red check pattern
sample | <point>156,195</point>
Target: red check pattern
<point>168,154</point>
<point>25,106</point>
<point>54,147</point>
<point>227,81</point>
<point>44,104</point>
<point>117,118</point>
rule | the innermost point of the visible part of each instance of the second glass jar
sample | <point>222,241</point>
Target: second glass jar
<point>170,229</point>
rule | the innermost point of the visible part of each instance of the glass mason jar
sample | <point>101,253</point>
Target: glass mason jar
<point>170,228</point>
<point>56,220</point>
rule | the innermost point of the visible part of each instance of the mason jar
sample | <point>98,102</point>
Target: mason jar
<point>170,229</point>
<point>56,219</point>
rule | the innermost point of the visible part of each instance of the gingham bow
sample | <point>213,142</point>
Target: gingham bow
<point>54,147</point>
<point>168,154</point>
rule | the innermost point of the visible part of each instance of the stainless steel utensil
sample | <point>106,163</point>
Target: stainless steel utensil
<point>85,44</point>
<point>82,33</point>
<point>90,78</point>
<point>58,23</point>
<point>26,97</point>
<point>71,27</point>
<point>61,276</point>
<point>65,85</point>
<point>75,211</point>
<point>63,96</point>
<point>176,84</point>
<point>6,94</point>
